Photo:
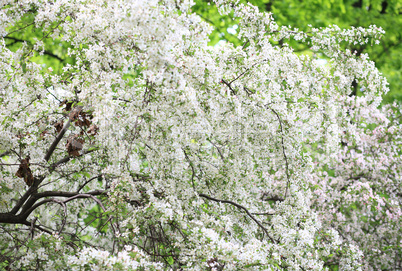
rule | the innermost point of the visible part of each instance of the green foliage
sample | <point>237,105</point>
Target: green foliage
<point>96,218</point>
<point>54,52</point>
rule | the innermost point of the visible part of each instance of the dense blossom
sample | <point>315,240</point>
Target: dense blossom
<point>151,150</point>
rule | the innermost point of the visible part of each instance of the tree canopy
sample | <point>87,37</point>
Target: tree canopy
<point>129,143</point>
<point>345,14</point>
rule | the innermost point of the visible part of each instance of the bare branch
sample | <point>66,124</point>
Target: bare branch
<point>265,197</point>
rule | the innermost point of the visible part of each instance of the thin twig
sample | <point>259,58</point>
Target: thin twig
<point>192,168</point>
<point>267,213</point>
<point>88,181</point>
<point>219,150</point>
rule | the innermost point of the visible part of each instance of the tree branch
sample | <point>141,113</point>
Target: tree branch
<point>87,182</point>
<point>240,207</point>
<point>229,86</point>
<point>31,190</point>
<point>57,140</point>
<point>29,206</point>
<point>67,158</point>
<point>192,168</point>
<point>219,150</point>
<point>5,153</point>
<point>284,153</point>
<point>46,52</point>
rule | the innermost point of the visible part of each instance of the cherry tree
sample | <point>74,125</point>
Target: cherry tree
<point>147,149</point>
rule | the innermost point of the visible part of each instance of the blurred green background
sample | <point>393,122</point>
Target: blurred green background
<point>320,13</point>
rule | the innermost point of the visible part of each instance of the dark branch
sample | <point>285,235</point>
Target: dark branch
<point>240,75</point>
<point>57,140</point>
<point>240,207</point>
<point>87,182</point>
<point>29,205</point>
<point>192,168</point>
<point>67,158</point>
<point>46,52</point>
<point>267,213</point>
<point>273,198</point>
<point>5,153</point>
<point>10,218</point>
<point>31,190</point>
<point>229,86</point>
<point>68,194</point>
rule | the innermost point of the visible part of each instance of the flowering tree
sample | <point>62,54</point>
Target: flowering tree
<point>142,148</point>
<point>384,13</point>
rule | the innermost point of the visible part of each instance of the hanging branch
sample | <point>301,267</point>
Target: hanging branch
<point>243,208</point>
<point>284,153</point>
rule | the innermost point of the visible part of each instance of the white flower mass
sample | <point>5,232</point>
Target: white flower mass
<point>153,151</point>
